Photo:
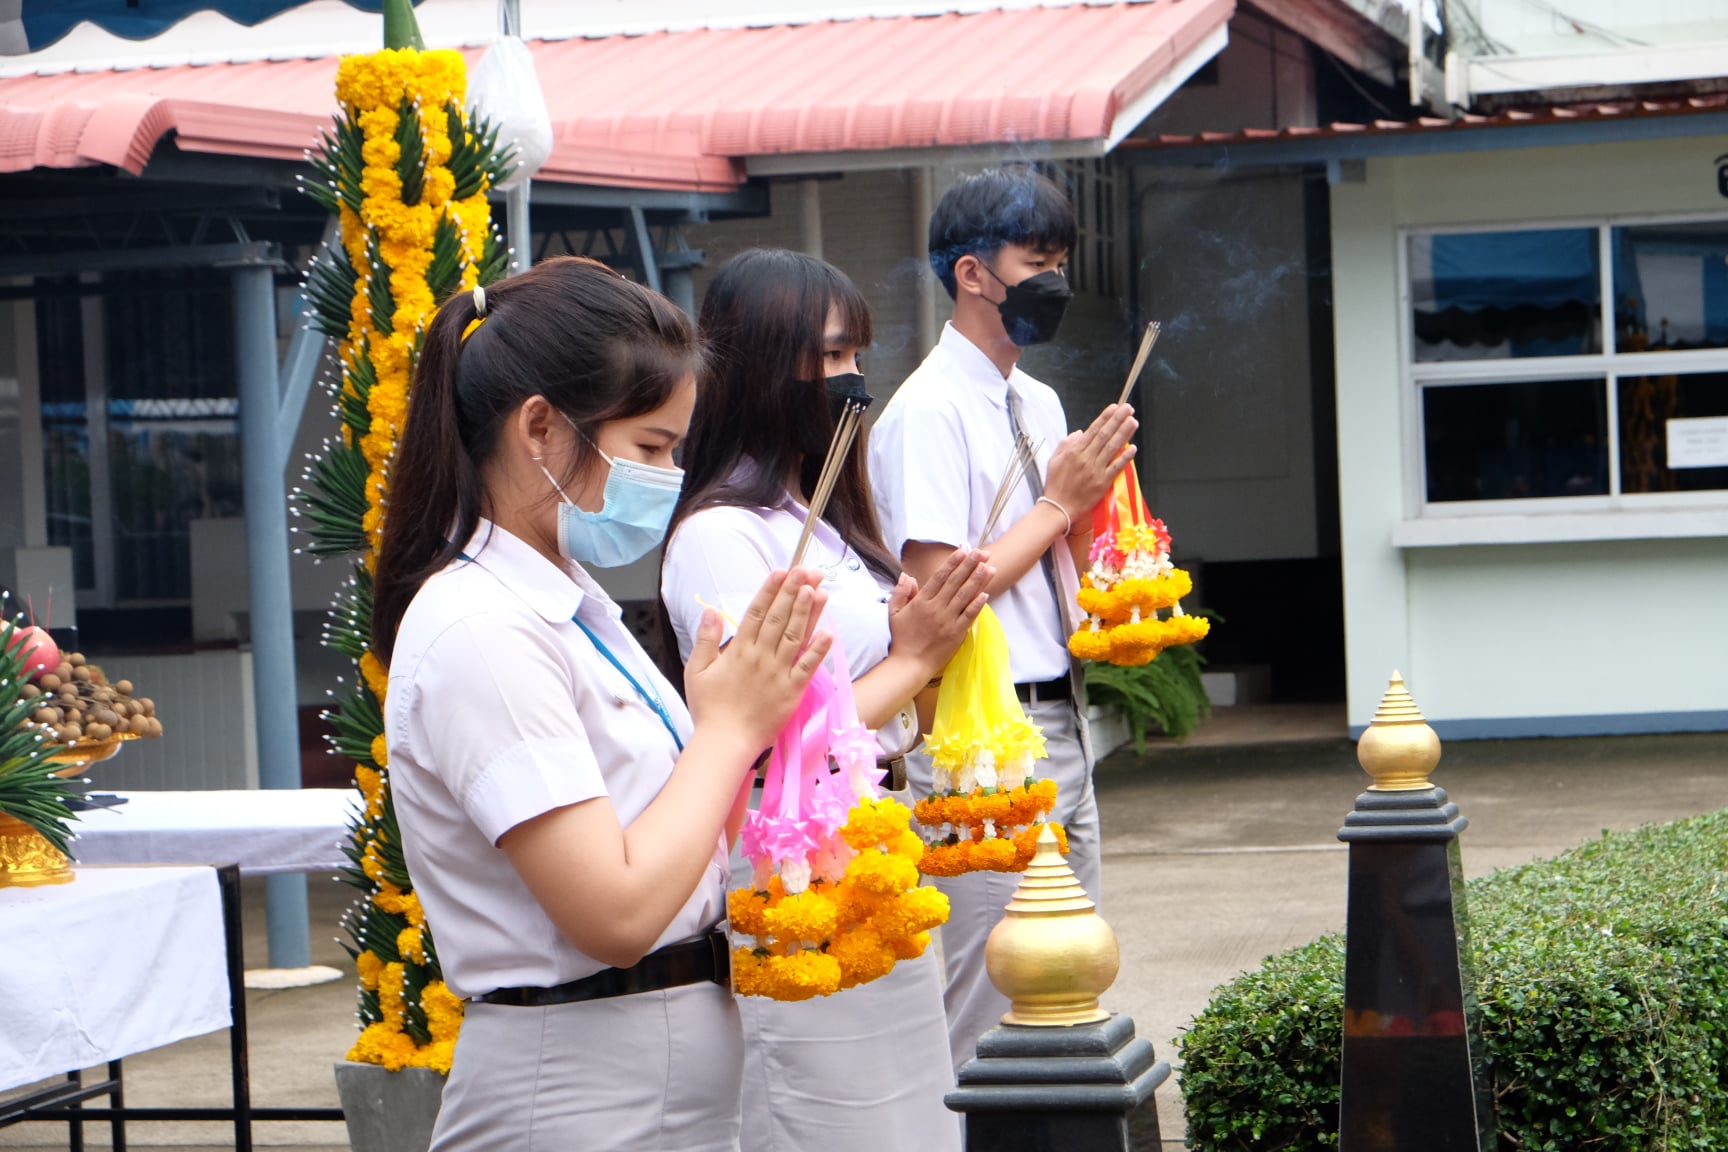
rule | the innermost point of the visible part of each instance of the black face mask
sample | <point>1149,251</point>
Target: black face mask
<point>1032,310</point>
<point>847,387</point>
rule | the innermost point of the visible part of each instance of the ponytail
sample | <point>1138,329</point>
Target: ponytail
<point>595,345</point>
<point>435,495</point>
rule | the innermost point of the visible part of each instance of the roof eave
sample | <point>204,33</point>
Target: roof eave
<point>1370,145</point>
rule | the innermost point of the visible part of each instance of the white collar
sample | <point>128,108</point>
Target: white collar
<point>554,592</point>
<point>970,362</point>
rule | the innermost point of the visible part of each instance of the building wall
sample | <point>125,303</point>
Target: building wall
<point>867,231</point>
<point>1578,636</point>
<point>1588,25</point>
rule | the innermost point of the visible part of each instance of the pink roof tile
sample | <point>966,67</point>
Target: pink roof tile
<point>676,109</point>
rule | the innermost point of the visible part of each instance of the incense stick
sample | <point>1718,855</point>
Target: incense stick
<point>1020,466</point>
<point>1146,341</point>
<point>839,448</point>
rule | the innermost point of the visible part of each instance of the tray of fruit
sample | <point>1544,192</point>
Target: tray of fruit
<point>76,706</point>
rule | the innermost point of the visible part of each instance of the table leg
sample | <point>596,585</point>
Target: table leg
<point>239,1062</point>
<point>74,1125</point>
<point>116,1100</point>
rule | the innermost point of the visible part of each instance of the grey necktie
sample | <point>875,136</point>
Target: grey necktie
<point>1035,481</point>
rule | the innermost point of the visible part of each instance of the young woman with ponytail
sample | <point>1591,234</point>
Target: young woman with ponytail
<point>862,1070</point>
<point>564,816</point>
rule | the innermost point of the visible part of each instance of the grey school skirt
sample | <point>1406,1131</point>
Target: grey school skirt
<point>657,1070</point>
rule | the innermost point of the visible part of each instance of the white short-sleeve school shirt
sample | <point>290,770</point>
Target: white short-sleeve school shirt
<point>937,454</point>
<point>720,556</point>
<point>500,709</point>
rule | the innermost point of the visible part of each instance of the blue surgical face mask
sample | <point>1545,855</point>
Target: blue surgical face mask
<point>633,515</point>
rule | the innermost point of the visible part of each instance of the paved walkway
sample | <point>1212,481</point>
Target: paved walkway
<point>1217,853</point>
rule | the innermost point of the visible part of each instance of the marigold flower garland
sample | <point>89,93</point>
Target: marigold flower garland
<point>405,172</point>
<point>1130,580</point>
<point>835,900</point>
<point>986,807</point>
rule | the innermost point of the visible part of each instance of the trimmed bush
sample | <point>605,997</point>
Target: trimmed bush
<point>1603,983</point>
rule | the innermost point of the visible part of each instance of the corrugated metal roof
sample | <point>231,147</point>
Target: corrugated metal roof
<point>1511,118</point>
<point>678,109</point>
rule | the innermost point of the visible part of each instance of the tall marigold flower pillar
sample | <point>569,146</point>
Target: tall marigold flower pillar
<point>405,171</point>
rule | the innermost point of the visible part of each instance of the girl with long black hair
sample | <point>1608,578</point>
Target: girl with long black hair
<point>866,1068</point>
<point>564,816</point>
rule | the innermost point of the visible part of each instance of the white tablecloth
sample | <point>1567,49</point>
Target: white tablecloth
<point>117,962</point>
<point>264,831</point>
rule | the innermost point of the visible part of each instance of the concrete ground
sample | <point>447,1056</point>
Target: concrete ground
<point>1217,852</point>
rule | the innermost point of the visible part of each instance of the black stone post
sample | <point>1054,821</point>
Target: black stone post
<point>1080,1088</point>
<point>1411,1075</point>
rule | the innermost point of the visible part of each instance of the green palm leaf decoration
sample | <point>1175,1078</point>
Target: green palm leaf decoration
<point>29,790</point>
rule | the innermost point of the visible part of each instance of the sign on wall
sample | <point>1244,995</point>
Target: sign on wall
<point>1698,442</point>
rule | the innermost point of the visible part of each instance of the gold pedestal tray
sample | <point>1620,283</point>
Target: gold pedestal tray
<point>80,754</point>
<point>27,859</point>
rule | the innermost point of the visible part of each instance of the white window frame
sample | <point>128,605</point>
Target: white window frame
<point>1616,515</point>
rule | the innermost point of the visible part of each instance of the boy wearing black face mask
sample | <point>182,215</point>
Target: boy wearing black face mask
<point>998,242</point>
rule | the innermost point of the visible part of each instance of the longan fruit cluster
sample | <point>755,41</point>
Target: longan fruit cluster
<point>76,702</point>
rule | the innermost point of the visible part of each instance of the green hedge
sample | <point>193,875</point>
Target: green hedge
<point>1603,981</point>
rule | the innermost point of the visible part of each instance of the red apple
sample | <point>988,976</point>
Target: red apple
<point>41,654</point>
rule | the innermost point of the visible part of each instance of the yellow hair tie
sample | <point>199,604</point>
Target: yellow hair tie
<point>480,314</point>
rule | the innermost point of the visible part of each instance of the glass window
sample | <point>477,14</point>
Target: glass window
<point>1647,405</point>
<point>1515,441</point>
<point>65,433</point>
<point>1671,287</point>
<point>1502,295</point>
<point>173,435</point>
<point>171,452</point>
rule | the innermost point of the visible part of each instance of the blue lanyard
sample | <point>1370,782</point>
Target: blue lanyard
<point>647,695</point>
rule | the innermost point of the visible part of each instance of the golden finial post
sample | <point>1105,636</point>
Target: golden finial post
<point>1411,1075</point>
<point>1052,955</point>
<point>1398,749</point>
<point>1059,1071</point>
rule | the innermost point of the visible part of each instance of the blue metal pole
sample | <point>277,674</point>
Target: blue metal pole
<point>273,686</point>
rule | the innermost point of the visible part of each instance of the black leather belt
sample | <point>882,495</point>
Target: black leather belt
<point>1062,688</point>
<point>706,958</point>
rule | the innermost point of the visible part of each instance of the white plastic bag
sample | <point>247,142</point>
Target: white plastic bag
<point>504,90</point>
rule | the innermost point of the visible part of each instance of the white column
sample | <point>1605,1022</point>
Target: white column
<point>923,202</point>
<point>810,217</point>
<point>1371,413</point>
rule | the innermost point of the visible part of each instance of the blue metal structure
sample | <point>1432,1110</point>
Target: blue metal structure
<point>42,22</point>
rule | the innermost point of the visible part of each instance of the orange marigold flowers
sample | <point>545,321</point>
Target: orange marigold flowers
<point>882,874</point>
<point>746,910</point>
<point>838,933</point>
<point>1131,580</point>
<point>874,822</point>
<point>810,915</point>
<point>863,956</point>
<point>988,827</point>
<point>380,1043</point>
<point>800,976</point>
<point>911,947</point>
<point>913,913</point>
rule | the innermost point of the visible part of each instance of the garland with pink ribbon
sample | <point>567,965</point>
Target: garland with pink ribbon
<point>834,900</point>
